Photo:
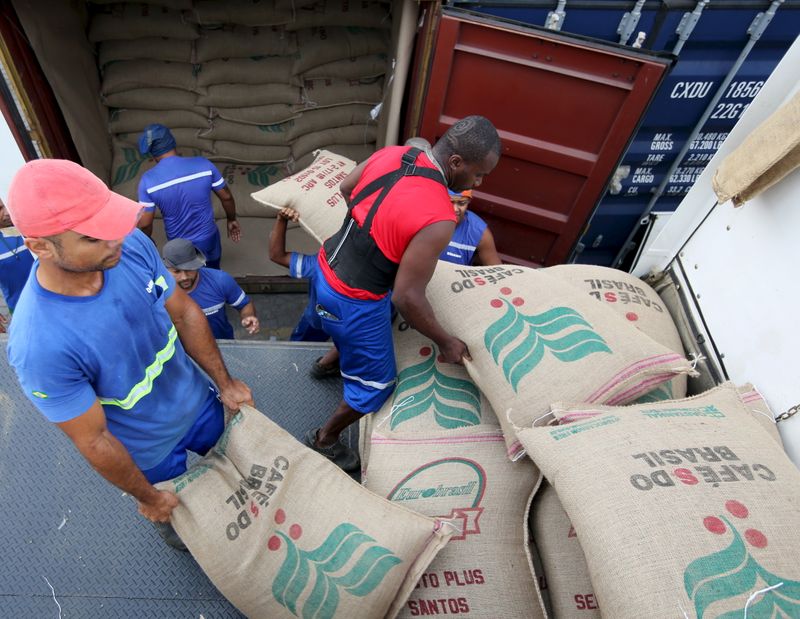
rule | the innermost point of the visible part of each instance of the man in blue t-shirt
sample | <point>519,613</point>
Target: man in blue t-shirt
<point>209,288</point>
<point>15,263</point>
<point>102,337</point>
<point>471,238</point>
<point>181,188</point>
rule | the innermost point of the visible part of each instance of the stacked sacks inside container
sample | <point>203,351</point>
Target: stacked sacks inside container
<point>282,532</point>
<point>682,507</point>
<point>436,447</point>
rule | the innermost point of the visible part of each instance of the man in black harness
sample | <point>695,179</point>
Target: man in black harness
<point>399,221</point>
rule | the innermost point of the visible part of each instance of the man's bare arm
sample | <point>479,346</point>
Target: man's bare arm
<point>486,250</point>
<point>110,458</point>
<point>350,181</point>
<point>415,271</point>
<point>146,222</point>
<point>229,206</point>
<point>197,339</point>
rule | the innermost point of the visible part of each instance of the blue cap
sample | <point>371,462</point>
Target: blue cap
<point>467,193</point>
<point>156,140</point>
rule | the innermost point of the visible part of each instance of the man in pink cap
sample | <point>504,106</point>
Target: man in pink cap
<point>102,337</point>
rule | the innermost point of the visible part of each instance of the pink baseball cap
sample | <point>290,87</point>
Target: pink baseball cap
<point>51,196</point>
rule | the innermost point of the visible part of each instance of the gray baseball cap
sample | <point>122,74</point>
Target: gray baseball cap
<point>181,254</point>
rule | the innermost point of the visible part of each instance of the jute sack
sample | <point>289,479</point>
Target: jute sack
<point>356,152</point>
<point>283,532</point>
<point>372,65</point>
<point>636,301</point>
<point>133,121</point>
<point>430,396</point>
<point>248,95</point>
<point>130,74</point>
<point>135,21</point>
<point>682,508</point>
<point>464,476</point>
<point>151,99</point>
<point>250,153</point>
<point>243,180</point>
<point>265,135</point>
<point>314,194</point>
<point>154,48</point>
<point>535,339</point>
<point>353,134</point>
<point>245,42</point>
<point>758,407</point>
<point>258,114</point>
<point>329,117</point>
<point>332,92</point>
<point>242,12</point>
<point>329,13</point>
<point>272,70</point>
<point>323,45</point>
<point>568,583</point>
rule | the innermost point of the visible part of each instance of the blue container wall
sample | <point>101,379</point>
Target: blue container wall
<point>706,58</point>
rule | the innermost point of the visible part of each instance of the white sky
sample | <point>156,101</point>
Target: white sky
<point>10,158</point>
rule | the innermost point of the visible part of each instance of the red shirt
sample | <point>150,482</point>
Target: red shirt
<point>412,204</point>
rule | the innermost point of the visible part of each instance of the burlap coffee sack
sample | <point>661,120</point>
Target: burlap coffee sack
<point>770,152</point>
<point>258,114</point>
<point>135,21</point>
<point>249,95</point>
<point>269,70</point>
<point>356,152</point>
<point>313,120</point>
<point>636,301</point>
<point>758,407</point>
<point>277,134</point>
<point>372,65</point>
<point>242,12</point>
<point>283,532</point>
<point>563,562</point>
<point>317,93</point>
<point>430,397</point>
<point>244,42</point>
<point>319,46</point>
<point>237,152</point>
<point>343,13</point>
<point>314,194</point>
<point>535,339</point>
<point>353,134</point>
<point>154,48</point>
<point>682,508</point>
<point>134,121</point>
<point>465,476</point>
<point>131,74</point>
<point>152,99</point>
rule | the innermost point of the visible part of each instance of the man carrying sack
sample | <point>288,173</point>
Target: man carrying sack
<point>399,221</point>
<point>102,338</point>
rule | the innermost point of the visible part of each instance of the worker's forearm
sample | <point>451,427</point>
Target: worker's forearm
<point>110,458</point>
<point>418,313</point>
<point>147,229</point>
<point>277,243</point>
<point>200,345</point>
<point>229,206</point>
<point>248,311</point>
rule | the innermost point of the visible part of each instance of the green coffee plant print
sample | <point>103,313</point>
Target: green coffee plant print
<point>454,402</point>
<point>518,342</point>
<point>128,170</point>
<point>734,572</point>
<point>348,561</point>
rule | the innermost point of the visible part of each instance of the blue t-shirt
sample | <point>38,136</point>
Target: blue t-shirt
<point>118,346</point>
<point>15,266</point>
<point>181,188</point>
<point>305,266</point>
<point>466,237</point>
<point>213,290</point>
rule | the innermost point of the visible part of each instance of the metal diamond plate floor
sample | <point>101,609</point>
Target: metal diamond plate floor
<point>61,522</point>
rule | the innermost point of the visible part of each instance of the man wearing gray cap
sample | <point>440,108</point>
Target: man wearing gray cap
<point>209,288</point>
<point>181,188</point>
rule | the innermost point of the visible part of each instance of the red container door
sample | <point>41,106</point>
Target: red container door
<point>566,108</point>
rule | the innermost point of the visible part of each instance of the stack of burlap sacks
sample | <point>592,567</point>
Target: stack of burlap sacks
<point>651,504</point>
<point>254,86</point>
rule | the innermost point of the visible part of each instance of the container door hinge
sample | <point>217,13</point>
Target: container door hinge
<point>630,19</point>
<point>555,19</point>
